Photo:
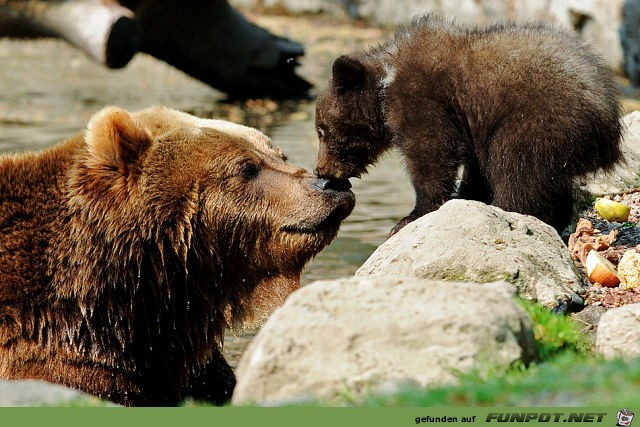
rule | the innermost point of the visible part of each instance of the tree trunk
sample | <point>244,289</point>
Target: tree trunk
<point>206,39</point>
<point>213,42</point>
<point>104,30</point>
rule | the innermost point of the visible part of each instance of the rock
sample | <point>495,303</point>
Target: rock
<point>590,316</point>
<point>597,21</point>
<point>40,393</point>
<point>472,242</point>
<point>630,39</point>
<point>351,336</point>
<point>588,320</point>
<point>629,269</point>
<point>619,332</point>
<point>624,176</point>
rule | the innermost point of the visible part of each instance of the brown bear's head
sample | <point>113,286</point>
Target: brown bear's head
<point>206,209</point>
<point>349,120</point>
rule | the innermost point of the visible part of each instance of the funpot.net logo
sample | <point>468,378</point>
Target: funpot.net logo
<point>625,417</point>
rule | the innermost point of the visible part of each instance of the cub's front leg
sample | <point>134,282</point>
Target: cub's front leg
<point>432,166</point>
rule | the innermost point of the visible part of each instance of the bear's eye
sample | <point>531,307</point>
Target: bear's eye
<point>320,133</point>
<point>250,171</point>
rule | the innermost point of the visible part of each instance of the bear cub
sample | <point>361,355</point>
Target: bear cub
<point>522,109</point>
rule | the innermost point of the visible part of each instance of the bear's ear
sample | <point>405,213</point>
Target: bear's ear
<point>348,73</point>
<point>115,140</point>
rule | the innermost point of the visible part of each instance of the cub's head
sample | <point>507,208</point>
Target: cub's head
<point>349,120</point>
<point>215,203</point>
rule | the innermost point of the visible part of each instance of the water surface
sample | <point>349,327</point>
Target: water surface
<point>49,90</point>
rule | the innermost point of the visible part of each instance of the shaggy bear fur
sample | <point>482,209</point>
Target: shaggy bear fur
<point>125,252</point>
<point>522,108</point>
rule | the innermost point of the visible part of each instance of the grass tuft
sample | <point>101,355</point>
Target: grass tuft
<point>554,333</point>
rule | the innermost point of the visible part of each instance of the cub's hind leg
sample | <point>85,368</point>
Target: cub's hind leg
<point>473,185</point>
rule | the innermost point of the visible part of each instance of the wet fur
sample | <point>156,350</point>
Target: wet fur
<point>525,108</point>
<point>126,252</point>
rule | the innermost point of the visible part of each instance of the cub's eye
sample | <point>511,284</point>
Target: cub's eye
<point>250,171</point>
<point>320,133</point>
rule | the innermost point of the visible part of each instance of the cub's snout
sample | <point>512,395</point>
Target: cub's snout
<point>332,184</point>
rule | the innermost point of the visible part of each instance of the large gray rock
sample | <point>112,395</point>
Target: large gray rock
<point>625,176</point>
<point>597,20</point>
<point>618,332</point>
<point>40,393</point>
<point>355,334</point>
<point>472,242</point>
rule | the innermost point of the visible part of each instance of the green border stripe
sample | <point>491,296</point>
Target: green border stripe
<point>309,417</point>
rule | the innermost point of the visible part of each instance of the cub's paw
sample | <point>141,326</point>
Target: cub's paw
<point>404,221</point>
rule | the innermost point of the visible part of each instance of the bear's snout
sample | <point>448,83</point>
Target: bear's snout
<point>328,184</point>
<point>336,170</point>
<point>326,206</point>
<point>326,166</point>
<point>337,193</point>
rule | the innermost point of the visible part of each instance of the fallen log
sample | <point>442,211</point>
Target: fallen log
<point>206,39</point>
<point>104,30</point>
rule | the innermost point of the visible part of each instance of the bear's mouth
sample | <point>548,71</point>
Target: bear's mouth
<point>331,222</point>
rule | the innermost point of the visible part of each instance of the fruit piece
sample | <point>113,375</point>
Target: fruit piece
<point>600,270</point>
<point>629,270</point>
<point>612,211</point>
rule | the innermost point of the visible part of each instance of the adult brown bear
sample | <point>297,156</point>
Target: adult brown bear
<point>126,251</point>
<point>522,108</point>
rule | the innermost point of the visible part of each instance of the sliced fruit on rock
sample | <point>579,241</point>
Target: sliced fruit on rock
<point>612,210</point>
<point>600,270</point>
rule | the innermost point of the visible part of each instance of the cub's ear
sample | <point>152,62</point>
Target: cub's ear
<point>348,73</point>
<point>115,140</point>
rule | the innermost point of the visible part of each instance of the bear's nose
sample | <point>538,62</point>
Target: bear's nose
<point>325,184</point>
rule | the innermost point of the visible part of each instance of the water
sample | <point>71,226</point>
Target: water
<point>382,198</point>
<point>48,92</point>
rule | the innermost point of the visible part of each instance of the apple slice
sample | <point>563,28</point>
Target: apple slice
<point>611,210</point>
<point>600,270</point>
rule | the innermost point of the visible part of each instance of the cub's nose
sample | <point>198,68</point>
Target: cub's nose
<point>319,171</point>
<point>328,172</point>
<point>335,184</point>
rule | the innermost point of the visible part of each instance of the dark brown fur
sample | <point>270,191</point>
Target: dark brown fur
<point>126,251</point>
<point>524,108</point>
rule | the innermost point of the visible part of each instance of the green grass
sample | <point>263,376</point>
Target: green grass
<point>568,380</point>
<point>554,333</point>
<point>566,373</point>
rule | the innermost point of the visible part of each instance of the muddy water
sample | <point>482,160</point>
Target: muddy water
<point>49,90</point>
